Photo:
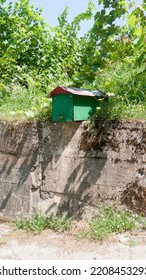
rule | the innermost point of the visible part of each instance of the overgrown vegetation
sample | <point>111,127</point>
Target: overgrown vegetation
<point>35,58</point>
<point>23,104</point>
<point>109,220</point>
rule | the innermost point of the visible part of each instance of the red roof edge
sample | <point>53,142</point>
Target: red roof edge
<point>58,90</point>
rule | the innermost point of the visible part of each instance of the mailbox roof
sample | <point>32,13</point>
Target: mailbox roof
<point>77,91</point>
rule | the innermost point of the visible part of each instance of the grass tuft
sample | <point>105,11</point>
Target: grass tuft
<point>38,222</point>
<point>111,220</point>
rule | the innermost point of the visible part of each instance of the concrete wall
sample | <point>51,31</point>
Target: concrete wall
<point>67,168</point>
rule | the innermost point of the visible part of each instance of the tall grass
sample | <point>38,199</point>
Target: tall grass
<point>127,82</point>
<point>20,103</point>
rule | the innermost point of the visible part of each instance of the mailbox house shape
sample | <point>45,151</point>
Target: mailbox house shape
<point>74,104</point>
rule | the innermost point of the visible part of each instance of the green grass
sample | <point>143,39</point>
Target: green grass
<point>132,243</point>
<point>20,103</point>
<point>126,80</point>
<point>128,83</point>
<point>28,102</point>
<point>117,108</point>
<point>111,220</point>
<point>39,222</point>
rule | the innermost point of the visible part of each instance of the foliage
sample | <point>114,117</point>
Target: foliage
<point>110,41</point>
<point>23,38</point>
<point>24,103</point>
<point>128,83</point>
<point>36,57</point>
<point>112,220</point>
<point>28,43</point>
<point>109,220</point>
<point>66,45</point>
<point>39,222</point>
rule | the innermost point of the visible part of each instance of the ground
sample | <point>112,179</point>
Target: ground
<point>21,245</point>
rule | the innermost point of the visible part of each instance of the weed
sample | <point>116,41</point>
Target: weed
<point>39,222</point>
<point>132,243</point>
<point>108,221</point>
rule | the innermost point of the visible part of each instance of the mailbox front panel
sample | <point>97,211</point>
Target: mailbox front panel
<point>62,108</point>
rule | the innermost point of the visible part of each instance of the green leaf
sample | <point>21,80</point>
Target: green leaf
<point>137,42</point>
<point>123,3</point>
<point>138,31</point>
<point>132,21</point>
<point>100,2</point>
<point>131,4</point>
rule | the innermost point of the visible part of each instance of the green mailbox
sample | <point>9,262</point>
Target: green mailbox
<point>74,104</point>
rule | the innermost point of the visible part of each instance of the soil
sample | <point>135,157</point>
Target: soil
<point>49,245</point>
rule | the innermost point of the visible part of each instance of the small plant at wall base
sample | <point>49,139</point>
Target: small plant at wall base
<point>111,220</point>
<point>39,222</point>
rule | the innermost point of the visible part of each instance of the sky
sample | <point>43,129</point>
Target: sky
<point>53,8</point>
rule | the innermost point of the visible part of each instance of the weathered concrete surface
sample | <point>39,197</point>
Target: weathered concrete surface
<point>69,168</point>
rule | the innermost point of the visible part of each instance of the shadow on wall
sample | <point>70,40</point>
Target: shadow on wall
<point>61,163</point>
<point>18,156</point>
<point>80,171</point>
<point>61,167</point>
<point>23,148</point>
